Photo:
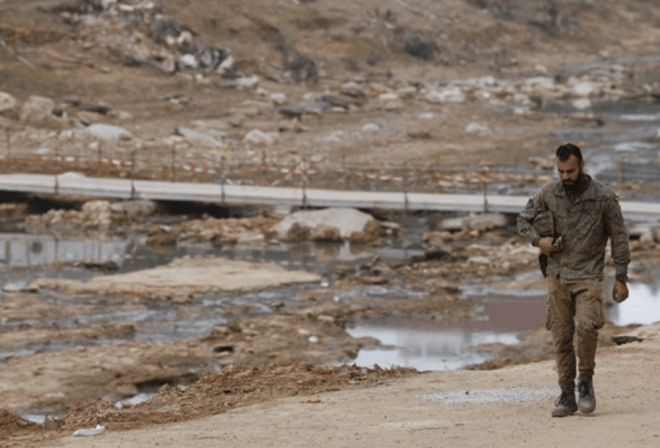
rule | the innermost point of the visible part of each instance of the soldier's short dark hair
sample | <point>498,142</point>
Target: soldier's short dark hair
<point>565,151</point>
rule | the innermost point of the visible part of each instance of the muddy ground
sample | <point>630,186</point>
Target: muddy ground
<point>254,356</point>
<point>338,90</point>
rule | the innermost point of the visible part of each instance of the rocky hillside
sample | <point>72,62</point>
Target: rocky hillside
<point>279,82</point>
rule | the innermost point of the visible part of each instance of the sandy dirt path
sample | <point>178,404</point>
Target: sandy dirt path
<point>506,407</point>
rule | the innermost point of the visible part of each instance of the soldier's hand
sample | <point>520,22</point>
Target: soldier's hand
<point>545,244</point>
<point>620,291</point>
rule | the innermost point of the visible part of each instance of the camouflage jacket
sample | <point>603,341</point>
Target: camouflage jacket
<point>585,225</point>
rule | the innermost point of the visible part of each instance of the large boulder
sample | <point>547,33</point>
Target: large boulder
<point>328,224</point>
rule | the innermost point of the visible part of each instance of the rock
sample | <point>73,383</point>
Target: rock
<point>370,128</point>
<point>584,89</point>
<point>449,95</point>
<point>655,231</point>
<point>257,137</point>
<point>647,240</point>
<point>389,96</point>
<point>7,103</point>
<point>162,239</point>
<point>189,61</point>
<point>324,232</point>
<point>10,288</point>
<point>291,112</point>
<point>133,209</point>
<point>335,101</point>
<point>226,65</point>
<point>212,139</point>
<point>393,105</point>
<point>39,111</point>
<point>352,89</point>
<point>247,82</point>
<point>108,132</point>
<point>347,221</point>
<point>278,98</point>
<point>474,127</point>
<point>372,231</point>
<point>420,48</point>
<point>407,92</point>
<point>100,109</point>
<point>581,104</point>
<point>479,222</point>
<point>302,69</point>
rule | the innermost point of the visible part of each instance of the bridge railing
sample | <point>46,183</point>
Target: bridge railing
<point>184,163</point>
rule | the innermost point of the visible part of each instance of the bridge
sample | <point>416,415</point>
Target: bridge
<point>116,188</point>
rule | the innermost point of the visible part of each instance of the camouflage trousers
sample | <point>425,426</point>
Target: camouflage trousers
<point>574,314</point>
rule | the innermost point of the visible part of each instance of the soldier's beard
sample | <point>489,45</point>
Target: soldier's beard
<point>572,185</point>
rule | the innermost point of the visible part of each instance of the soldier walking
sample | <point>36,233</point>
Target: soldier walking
<point>570,221</point>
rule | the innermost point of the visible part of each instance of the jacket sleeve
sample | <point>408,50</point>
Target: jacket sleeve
<point>616,228</point>
<point>525,220</point>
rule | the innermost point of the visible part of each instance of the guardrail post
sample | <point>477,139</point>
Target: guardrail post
<point>221,162</point>
<point>303,174</point>
<point>343,169</point>
<point>264,168</point>
<point>133,192</point>
<point>8,138</point>
<point>484,182</point>
<point>173,166</point>
<point>100,154</point>
<point>405,186</point>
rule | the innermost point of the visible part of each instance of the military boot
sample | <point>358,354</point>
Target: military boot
<point>565,405</point>
<point>587,396</point>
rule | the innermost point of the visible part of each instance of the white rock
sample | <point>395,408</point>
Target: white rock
<point>278,98</point>
<point>370,128</point>
<point>7,102</point>
<point>393,105</point>
<point>390,96</point>
<point>480,260</point>
<point>247,82</point>
<point>351,88</point>
<point>449,95</point>
<point>226,65</point>
<point>346,220</point>
<point>213,139</point>
<point>474,127</point>
<point>11,288</point>
<point>584,89</point>
<point>257,137</point>
<point>189,61</point>
<point>581,104</point>
<point>108,132</point>
<point>539,82</point>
